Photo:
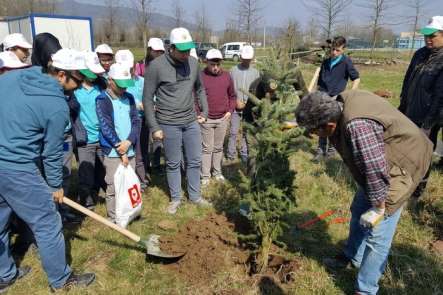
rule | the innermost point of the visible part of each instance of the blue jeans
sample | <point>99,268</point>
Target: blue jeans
<point>176,138</point>
<point>27,195</point>
<point>368,249</point>
<point>236,119</point>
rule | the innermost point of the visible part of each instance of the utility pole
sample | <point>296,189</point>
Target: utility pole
<point>264,36</point>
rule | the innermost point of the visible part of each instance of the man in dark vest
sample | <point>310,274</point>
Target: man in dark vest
<point>386,154</point>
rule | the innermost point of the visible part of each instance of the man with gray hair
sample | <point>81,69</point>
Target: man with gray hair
<point>386,154</point>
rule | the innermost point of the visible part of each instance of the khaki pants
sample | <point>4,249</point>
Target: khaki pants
<point>111,165</point>
<point>213,135</point>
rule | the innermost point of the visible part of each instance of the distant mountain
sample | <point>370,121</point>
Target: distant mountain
<point>127,15</point>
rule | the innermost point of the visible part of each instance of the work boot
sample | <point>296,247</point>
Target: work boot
<point>21,272</point>
<point>81,280</point>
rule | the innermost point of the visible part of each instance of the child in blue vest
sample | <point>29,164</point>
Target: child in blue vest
<point>126,58</point>
<point>119,127</point>
<point>86,130</point>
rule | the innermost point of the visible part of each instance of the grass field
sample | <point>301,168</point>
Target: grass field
<point>121,267</point>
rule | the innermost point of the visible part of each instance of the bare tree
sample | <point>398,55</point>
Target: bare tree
<point>144,12</point>
<point>178,13</point>
<point>329,11</point>
<point>249,14</point>
<point>290,36</point>
<point>379,10</point>
<point>231,31</point>
<point>203,33</point>
<point>417,7</point>
<point>311,33</point>
<point>111,19</point>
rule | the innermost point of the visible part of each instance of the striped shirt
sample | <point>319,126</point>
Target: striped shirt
<point>365,137</point>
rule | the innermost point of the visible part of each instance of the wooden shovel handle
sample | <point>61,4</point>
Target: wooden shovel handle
<point>101,219</point>
<point>314,79</point>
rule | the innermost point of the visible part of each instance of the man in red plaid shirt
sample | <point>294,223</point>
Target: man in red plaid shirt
<point>386,154</point>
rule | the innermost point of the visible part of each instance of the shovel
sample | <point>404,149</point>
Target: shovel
<point>151,244</point>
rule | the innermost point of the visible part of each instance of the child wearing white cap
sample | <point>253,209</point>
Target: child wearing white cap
<point>126,58</point>
<point>10,61</point>
<point>105,55</point>
<point>243,75</point>
<point>29,133</point>
<point>17,44</point>
<point>154,49</point>
<point>221,104</point>
<point>119,127</point>
<point>86,129</point>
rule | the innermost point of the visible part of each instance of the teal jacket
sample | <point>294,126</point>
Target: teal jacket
<point>33,117</point>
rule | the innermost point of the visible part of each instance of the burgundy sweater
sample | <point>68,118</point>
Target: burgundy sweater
<point>220,93</point>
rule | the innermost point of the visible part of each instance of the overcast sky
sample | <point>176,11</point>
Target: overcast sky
<point>276,12</point>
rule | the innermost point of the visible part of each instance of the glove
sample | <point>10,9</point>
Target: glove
<point>372,217</point>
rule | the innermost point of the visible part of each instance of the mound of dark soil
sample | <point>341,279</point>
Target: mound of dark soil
<point>211,247</point>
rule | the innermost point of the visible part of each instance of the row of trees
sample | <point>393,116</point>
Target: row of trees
<point>330,17</point>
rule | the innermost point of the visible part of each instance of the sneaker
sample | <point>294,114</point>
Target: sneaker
<point>331,152</point>
<point>220,178</point>
<point>21,272</point>
<point>81,280</point>
<point>173,206</point>
<point>319,155</point>
<point>205,182</point>
<point>202,203</point>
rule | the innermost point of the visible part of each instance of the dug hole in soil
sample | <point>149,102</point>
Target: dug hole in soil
<point>212,246</point>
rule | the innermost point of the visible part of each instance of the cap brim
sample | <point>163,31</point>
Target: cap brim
<point>185,46</point>
<point>88,74</point>
<point>428,31</point>
<point>125,83</point>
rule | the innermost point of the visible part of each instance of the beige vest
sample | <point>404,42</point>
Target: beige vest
<point>407,148</point>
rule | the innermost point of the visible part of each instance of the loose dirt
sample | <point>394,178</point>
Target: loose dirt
<point>212,247</point>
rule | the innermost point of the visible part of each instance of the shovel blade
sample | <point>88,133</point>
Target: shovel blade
<point>152,245</point>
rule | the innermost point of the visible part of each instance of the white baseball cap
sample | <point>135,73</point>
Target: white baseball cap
<point>214,54</point>
<point>16,39</point>
<point>435,24</point>
<point>104,49</point>
<point>93,65</point>
<point>125,57</point>
<point>68,59</point>
<point>247,52</point>
<point>9,60</point>
<point>182,39</point>
<point>156,44</point>
<point>121,75</point>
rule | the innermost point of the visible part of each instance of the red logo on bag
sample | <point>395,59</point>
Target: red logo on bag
<point>134,196</point>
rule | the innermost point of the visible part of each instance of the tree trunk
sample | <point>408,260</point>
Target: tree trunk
<point>263,254</point>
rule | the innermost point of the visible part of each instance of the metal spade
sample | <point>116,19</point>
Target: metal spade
<point>151,244</point>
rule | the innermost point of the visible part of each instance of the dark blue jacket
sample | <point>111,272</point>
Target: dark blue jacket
<point>78,130</point>
<point>33,117</point>
<point>421,98</point>
<point>333,81</point>
<point>105,113</point>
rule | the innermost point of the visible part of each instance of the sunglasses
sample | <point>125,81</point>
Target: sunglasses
<point>77,80</point>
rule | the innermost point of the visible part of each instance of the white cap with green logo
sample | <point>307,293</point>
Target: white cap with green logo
<point>121,75</point>
<point>435,24</point>
<point>182,39</point>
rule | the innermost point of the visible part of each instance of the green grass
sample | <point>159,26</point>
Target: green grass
<point>121,267</point>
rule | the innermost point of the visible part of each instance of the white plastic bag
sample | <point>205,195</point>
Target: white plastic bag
<point>128,200</point>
